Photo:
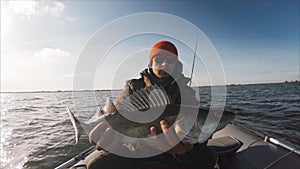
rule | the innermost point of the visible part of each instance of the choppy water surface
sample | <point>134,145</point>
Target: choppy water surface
<point>36,131</point>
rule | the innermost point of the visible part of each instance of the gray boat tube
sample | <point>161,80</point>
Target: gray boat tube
<point>77,158</point>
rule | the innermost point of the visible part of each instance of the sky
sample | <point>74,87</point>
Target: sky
<point>53,45</point>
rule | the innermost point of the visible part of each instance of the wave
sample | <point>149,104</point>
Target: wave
<point>22,109</point>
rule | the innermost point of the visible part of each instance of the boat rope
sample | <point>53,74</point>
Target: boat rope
<point>279,158</point>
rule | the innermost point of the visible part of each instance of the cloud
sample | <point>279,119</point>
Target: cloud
<point>37,8</point>
<point>50,53</point>
<point>70,19</point>
<point>57,9</point>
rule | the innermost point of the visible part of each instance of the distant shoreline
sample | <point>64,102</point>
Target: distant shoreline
<point>98,90</point>
<point>57,91</point>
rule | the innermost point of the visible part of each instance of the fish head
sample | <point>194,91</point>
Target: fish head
<point>226,118</point>
<point>216,120</point>
<point>208,122</point>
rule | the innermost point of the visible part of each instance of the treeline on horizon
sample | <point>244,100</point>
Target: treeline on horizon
<point>100,90</point>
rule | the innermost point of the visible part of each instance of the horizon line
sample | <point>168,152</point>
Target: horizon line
<point>83,90</point>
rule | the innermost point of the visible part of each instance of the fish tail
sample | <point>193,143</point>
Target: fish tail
<point>76,124</point>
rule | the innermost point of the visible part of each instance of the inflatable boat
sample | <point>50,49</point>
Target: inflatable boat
<point>238,147</point>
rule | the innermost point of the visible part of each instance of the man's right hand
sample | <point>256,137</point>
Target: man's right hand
<point>172,139</point>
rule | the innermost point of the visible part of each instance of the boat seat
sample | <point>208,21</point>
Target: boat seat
<point>261,155</point>
<point>224,145</point>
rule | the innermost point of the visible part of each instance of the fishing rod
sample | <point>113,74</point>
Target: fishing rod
<point>77,158</point>
<point>269,139</point>
<point>193,65</point>
<point>277,142</point>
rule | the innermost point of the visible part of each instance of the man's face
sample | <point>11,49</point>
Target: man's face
<point>163,65</point>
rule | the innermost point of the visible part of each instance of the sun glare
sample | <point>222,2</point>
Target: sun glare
<point>5,20</point>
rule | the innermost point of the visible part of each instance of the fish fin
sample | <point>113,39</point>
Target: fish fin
<point>77,125</point>
<point>145,99</point>
<point>109,106</point>
<point>130,147</point>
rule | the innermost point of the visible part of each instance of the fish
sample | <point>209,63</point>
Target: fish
<point>146,107</point>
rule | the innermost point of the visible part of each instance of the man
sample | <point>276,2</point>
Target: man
<point>164,70</point>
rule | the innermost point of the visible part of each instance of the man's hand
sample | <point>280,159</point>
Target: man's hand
<point>104,137</point>
<point>172,138</point>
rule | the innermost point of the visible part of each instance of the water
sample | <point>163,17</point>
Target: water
<point>36,131</point>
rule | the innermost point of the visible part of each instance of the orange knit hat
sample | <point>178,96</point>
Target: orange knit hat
<point>163,46</point>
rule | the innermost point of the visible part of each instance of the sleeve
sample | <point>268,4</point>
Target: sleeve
<point>125,92</point>
<point>130,87</point>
